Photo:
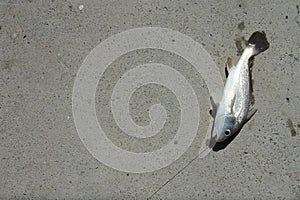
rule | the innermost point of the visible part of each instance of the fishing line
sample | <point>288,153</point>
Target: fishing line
<point>190,162</point>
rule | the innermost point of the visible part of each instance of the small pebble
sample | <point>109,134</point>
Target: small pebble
<point>80,7</point>
<point>14,36</point>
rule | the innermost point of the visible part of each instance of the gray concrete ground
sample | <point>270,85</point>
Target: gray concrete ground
<point>43,44</point>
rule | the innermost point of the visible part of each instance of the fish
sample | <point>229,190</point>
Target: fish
<point>234,109</point>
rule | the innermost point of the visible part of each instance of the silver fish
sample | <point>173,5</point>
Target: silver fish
<point>234,110</point>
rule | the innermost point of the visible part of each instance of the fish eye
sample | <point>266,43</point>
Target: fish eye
<point>227,132</point>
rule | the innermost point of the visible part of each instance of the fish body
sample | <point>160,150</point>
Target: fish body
<point>233,110</point>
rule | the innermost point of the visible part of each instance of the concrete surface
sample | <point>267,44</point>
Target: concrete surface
<point>43,44</point>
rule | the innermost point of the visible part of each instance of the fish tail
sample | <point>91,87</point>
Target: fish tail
<point>258,41</point>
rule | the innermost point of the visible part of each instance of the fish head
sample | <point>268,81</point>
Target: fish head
<point>224,127</point>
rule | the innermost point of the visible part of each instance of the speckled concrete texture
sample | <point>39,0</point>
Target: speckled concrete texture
<point>43,44</point>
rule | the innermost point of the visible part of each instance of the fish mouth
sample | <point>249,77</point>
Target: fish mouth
<point>222,139</point>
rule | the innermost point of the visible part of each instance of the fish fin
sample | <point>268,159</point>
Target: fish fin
<point>228,66</point>
<point>229,63</point>
<point>232,103</point>
<point>213,111</point>
<point>259,42</point>
<point>251,113</point>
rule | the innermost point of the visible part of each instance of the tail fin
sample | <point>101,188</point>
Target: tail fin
<point>259,42</point>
